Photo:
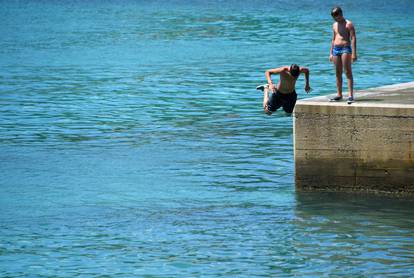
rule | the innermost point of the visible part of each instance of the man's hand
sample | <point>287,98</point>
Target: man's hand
<point>272,87</point>
<point>331,58</point>
<point>308,89</point>
<point>354,58</point>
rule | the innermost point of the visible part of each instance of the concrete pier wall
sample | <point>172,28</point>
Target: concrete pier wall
<point>367,146</point>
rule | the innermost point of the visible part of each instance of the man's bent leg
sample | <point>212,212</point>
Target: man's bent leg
<point>289,102</point>
<point>265,101</point>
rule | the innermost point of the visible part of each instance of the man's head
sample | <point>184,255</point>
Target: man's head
<point>294,70</point>
<point>336,13</point>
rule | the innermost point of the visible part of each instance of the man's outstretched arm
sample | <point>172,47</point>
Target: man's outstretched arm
<point>306,72</point>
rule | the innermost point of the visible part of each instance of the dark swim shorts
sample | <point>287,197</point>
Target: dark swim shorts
<point>277,100</point>
<point>339,50</point>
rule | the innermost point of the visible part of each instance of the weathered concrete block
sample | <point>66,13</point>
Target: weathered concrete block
<point>367,146</point>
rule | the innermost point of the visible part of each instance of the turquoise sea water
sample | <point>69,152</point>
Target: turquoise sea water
<point>133,143</point>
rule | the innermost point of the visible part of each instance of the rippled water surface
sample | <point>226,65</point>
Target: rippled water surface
<point>133,143</point>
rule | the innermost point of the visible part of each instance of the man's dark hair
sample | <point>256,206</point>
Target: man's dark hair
<point>294,70</point>
<point>336,11</point>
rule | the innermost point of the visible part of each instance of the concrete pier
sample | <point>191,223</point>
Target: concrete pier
<point>367,146</point>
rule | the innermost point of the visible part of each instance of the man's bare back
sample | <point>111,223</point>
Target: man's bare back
<point>287,79</point>
<point>287,82</point>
